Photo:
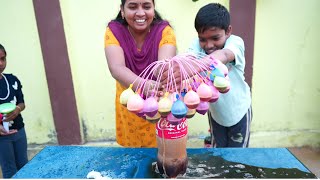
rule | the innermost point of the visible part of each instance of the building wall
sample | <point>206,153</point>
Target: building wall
<point>285,88</point>
<point>19,35</point>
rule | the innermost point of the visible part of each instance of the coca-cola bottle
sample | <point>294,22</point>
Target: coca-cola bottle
<point>172,157</point>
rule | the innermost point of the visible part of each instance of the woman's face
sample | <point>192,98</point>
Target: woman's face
<point>139,14</point>
<point>3,61</point>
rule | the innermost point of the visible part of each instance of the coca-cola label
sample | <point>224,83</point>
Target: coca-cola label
<point>169,131</point>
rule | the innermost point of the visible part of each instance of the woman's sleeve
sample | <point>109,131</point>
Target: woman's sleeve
<point>110,39</point>
<point>168,37</point>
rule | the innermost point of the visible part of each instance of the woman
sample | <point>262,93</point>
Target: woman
<point>13,143</point>
<point>136,38</point>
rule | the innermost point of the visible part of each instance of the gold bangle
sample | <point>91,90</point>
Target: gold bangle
<point>19,108</point>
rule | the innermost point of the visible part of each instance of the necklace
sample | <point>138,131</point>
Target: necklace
<point>132,35</point>
<point>8,89</point>
<point>134,38</point>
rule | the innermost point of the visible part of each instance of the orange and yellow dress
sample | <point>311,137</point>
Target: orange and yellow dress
<point>132,130</point>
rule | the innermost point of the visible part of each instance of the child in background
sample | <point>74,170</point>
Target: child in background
<point>13,144</point>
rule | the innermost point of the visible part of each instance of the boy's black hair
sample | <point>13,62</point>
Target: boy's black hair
<point>157,17</point>
<point>3,49</point>
<point>212,15</point>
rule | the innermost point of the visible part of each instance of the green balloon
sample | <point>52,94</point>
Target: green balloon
<point>6,108</point>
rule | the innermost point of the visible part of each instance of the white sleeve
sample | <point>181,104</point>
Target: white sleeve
<point>236,45</point>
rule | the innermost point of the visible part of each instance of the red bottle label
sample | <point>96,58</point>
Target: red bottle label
<point>169,131</point>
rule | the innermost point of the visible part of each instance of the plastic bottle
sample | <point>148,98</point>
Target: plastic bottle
<point>172,157</point>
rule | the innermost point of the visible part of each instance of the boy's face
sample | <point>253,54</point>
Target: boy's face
<point>213,39</point>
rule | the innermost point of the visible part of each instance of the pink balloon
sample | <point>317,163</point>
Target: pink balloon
<point>204,92</point>
<point>191,99</point>
<point>135,103</point>
<point>215,94</point>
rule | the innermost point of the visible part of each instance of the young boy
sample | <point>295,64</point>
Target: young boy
<point>230,116</point>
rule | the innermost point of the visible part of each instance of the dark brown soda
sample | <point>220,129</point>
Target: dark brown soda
<point>173,167</point>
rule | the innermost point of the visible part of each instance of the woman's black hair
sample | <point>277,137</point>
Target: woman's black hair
<point>157,17</point>
<point>3,49</point>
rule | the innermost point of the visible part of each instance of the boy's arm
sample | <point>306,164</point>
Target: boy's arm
<point>233,50</point>
<point>224,55</point>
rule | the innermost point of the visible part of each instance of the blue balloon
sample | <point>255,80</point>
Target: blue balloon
<point>215,72</point>
<point>179,108</point>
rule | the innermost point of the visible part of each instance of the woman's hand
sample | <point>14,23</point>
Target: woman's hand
<point>3,132</point>
<point>152,87</point>
<point>171,77</point>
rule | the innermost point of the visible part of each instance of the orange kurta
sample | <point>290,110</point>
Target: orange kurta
<point>132,130</point>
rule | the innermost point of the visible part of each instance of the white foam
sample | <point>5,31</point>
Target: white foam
<point>96,175</point>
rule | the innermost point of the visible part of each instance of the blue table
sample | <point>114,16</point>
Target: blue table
<point>78,161</point>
